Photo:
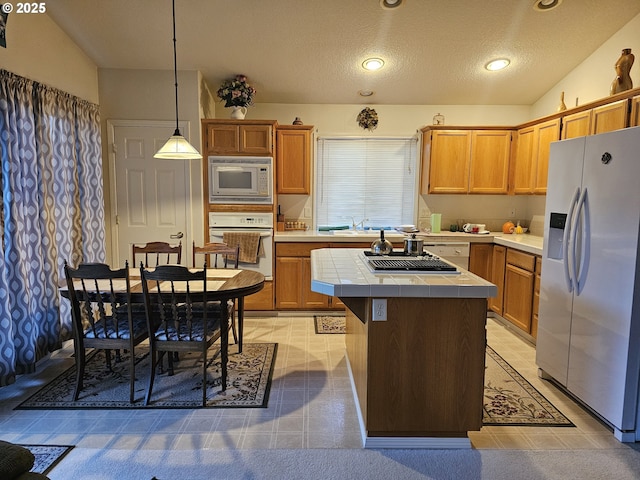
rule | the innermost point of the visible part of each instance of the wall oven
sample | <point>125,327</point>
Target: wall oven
<point>221,222</point>
<point>246,180</point>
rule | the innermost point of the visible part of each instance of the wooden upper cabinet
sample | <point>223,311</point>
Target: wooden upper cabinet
<point>531,163</point>
<point>576,124</point>
<point>547,132</point>
<point>466,161</point>
<point>610,117</point>
<point>523,162</point>
<point>238,137</point>
<point>449,161</point>
<point>490,153</point>
<point>293,159</point>
<point>634,121</point>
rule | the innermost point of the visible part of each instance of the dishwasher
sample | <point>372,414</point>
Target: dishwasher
<point>454,252</point>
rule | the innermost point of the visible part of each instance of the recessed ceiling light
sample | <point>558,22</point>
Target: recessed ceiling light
<point>390,4</point>
<point>365,93</point>
<point>497,64</point>
<point>545,5</point>
<point>373,64</point>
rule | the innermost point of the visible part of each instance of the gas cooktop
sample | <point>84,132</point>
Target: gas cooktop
<point>400,262</point>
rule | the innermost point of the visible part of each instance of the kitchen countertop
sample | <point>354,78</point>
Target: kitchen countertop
<point>525,242</point>
<point>342,272</point>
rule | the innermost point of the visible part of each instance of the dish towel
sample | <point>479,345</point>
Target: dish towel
<point>250,245</point>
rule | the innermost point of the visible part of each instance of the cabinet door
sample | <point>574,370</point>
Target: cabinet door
<point>263,300</point>
<point>222,139</point>
<point>255,139</point>
<point>498,264</point>
<point>634,121</point>
<point>449,161</point>
<point>608,118</point>
<point>576,125</point>
<point>310,299</point>
<point>518,297</point>
<point>489,170</point>
<point>288,282</point>
<point>293,160</point>
<point>480,255</point>
<point>547,132</point>
<point>523,163</point>
<point>536,298</point>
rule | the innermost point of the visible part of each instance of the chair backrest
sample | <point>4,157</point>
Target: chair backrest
<point>176,301</point>
<point>100,300</point>
<point>229,255</point>
<point>160,253</point>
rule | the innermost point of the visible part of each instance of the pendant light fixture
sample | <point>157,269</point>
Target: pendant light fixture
<point>177,147</point>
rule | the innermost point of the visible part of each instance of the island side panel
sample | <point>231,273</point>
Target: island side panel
<point>356,346</point>
<point>425,366</point>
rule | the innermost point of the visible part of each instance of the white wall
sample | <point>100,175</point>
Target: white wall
<point>150,95</point>
<point>37,49</point>
<point>591,80</point>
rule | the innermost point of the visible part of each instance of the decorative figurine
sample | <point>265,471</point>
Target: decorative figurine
<point>623,81</point>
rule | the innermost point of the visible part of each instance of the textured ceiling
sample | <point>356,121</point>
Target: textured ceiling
<point>310,51</point>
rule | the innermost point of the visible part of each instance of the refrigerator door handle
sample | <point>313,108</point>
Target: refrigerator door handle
<point>580,272</point>
<point>567,267</point>
<point>573,240</point>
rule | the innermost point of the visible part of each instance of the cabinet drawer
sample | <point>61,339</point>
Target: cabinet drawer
<point>521,259</point>
<point>297,249</point>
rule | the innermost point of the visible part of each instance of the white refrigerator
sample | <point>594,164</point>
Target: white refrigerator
<point>589,315</point>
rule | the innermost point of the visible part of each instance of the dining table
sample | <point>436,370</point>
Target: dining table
<point>223,285</point>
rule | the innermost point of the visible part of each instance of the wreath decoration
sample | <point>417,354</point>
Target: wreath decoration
<point>368,119</point>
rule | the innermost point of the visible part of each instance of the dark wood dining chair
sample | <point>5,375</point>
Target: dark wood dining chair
<point>170,293</point>
<point>102,316</point>
<point>158,253</point>
<point>223,256</point>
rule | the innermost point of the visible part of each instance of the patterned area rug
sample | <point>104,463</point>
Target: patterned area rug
<point>47,456</point>
<point>248,385</point>
<point>508,398</point>
<point>329,324</point>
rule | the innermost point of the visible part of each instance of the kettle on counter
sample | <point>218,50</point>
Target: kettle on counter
<point>381,246</point>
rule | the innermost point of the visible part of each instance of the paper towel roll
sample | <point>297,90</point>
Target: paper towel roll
<point>436,218</point>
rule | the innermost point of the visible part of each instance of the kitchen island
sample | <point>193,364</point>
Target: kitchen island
<point>415,347</point>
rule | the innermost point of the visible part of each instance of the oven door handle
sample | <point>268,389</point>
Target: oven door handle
<point>219,233</point>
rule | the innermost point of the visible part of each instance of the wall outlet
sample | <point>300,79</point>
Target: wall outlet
<point>307,212</point>
<point>512,213</point>
<point>379,309</point>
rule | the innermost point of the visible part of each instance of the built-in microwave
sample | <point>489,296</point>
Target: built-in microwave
<point>240,180</point>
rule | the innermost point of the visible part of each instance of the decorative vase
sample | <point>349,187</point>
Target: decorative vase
<point>562,107</point>
<point>623,81</point>
<point>297,121</point>
<point>238,113</point>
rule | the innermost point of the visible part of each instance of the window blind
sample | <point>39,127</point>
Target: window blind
<point>371,179</point>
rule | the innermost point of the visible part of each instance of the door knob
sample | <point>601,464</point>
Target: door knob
<point>177,235</point>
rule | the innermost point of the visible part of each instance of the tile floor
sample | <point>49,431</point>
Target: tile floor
<point>310,406</point>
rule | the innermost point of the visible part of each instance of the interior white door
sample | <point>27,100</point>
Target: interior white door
<point>150,194</point>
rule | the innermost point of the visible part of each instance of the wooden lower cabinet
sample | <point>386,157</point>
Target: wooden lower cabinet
<point>536,298</point>
<point>293,275</point>
<point>263,300</point>
<point>519,282</point>
<point>293,278</point>
<point>498,264</point>
<point>480,256</point>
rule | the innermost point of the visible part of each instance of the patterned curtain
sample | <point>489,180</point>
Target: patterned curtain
<point>52,210</point>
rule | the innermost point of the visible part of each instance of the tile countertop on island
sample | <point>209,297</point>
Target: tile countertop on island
<point>342,272</point>
<point>525,242</point>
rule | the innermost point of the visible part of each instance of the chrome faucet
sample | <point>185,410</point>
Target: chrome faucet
<point>354,225</point>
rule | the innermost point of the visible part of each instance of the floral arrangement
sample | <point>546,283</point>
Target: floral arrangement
<point>236,92</point>
<point>368,119</point>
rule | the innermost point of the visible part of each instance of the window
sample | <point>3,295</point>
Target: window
<point>370,179</point>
